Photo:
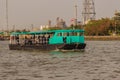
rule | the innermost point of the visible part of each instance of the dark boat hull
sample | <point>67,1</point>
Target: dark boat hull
<point>46,47</point>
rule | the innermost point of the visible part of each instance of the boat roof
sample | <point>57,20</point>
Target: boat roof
<point>19,33</point>
<point>54,31</point>
<point>46,32</point>
<point>72,30</point>
<point>40,32</point>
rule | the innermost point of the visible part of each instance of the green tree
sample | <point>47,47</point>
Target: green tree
<point>99,27</point>
<point>116,19</point>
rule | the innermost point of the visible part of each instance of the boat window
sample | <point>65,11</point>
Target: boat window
<point>71,33</point>
<point>66,34</point>
<point>78,34</point>
<point>81,33</point>
<point>59,34</point>
<point>74,33</point>
<point>51,34</point>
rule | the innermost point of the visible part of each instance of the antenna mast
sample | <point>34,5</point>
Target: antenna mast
<point>88,11</point>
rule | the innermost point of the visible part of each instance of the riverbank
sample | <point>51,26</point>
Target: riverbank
<point>102,38</point>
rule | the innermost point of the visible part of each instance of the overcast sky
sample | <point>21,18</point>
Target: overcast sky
<point>37,12</point>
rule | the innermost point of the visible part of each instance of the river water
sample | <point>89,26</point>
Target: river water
<point>99,61</point>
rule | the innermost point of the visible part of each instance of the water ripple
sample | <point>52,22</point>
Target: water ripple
<point>99,61</point>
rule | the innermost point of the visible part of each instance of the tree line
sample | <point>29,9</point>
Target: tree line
<point>104,26</point>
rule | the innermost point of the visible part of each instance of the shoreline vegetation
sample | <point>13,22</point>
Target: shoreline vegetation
<point>102,38</point>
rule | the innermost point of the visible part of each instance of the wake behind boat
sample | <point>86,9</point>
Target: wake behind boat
<point>48,40</point>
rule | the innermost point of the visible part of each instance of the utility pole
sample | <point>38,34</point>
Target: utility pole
<point>7,15</point>
<point>75,13</point>
<point>32,27</point>
<point>14,28</point>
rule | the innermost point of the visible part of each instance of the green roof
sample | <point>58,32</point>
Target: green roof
<point>40,32</point>
<point>46,32</point>
<point>76,30</point>
<point>19,33</point>
<point>51,31</point>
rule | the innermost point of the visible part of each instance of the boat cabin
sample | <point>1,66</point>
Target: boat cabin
<point>67,37</point>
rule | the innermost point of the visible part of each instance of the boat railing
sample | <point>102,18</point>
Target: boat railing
<point>33,40</point>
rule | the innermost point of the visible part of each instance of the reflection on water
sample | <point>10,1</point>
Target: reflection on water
<point>65,54</point>
<point>99,61</point>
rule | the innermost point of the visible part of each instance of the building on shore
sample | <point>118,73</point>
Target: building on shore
<point>60,23</point>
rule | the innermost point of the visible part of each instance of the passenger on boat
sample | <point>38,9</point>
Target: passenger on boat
<point>64,39</point>
<point>30,41</point>
<point>48,38</point>
<point>33,39</point>
<point>12,39</point>
<point>43,39</point>
<point>17,39</point>
<point>39,39</point>
<point>26,39</point>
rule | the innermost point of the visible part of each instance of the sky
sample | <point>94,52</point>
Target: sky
<point>23,13</point>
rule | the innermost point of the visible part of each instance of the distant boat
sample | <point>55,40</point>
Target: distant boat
<point>48,40</point>
<point>2,36</point>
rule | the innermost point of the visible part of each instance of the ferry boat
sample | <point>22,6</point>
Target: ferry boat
<point>48,40</point>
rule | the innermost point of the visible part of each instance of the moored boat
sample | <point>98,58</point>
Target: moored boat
<point>48,40</point>
<point>1,36</point>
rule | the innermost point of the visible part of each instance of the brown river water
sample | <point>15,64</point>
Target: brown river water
<point>99,61</point>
